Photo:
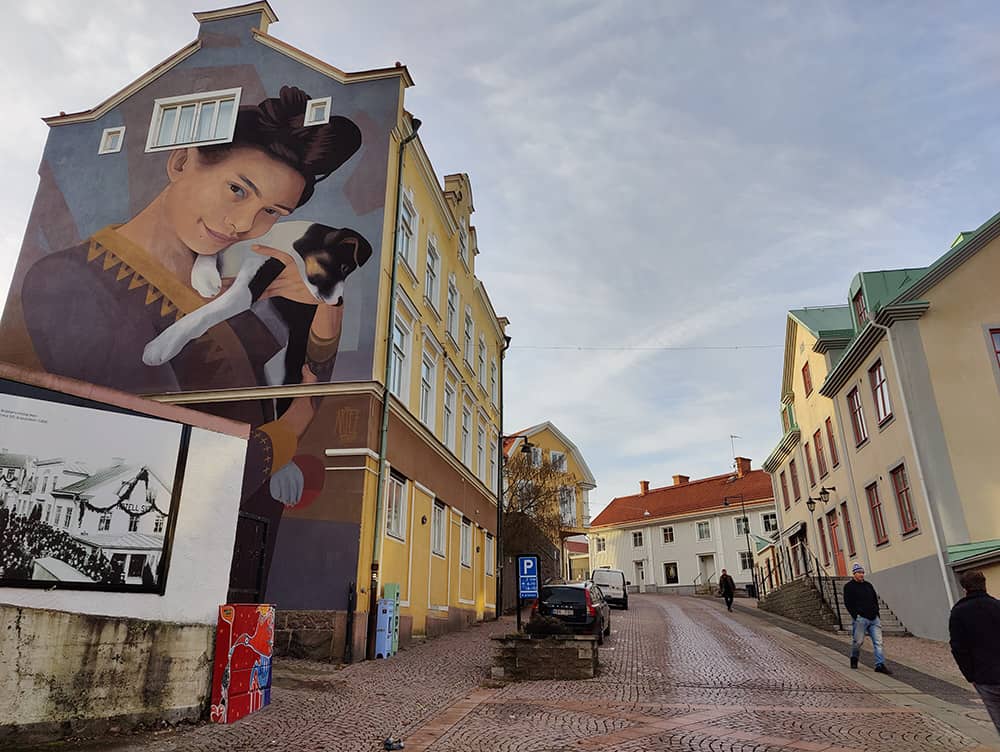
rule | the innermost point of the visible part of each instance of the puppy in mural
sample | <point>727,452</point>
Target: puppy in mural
<point>324,257</point>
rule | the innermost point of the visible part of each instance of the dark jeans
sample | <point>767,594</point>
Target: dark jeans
<point>728,598</point>
<point>991,699</point>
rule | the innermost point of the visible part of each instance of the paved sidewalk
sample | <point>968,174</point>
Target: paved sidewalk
<point>677,673</point>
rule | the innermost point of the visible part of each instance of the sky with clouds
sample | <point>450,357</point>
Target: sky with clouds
<point>649,177</point>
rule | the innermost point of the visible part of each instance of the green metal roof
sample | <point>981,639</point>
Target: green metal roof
<point>881,287</point>
<point>823,319</point>
<point>963,551</point>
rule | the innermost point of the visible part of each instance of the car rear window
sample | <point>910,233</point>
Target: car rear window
<point>608,579</point>
<point>562,595</point>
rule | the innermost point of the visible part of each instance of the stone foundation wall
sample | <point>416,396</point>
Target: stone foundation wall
<point>63,673</point>
<point>454,620</point>
<point>523,658</point>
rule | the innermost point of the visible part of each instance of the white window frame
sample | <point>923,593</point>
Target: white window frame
<point>482,361</point>
<point>106,135</point>
<point>697,528</point>
<point>466,543</point>
<point>677,569</point>
<point>567,505</point>
<point>398,376</point>
<point>488,558</point>
<point>466,438</point>
<point>159,524</point>
<point>428,389</point>
<point>736,524</point>
<point>536,456</point>
<point>764,516</point>
<point>493,380</point>
<point>315,104</point>
<point>637,540</point>
<point>558,461</point>
<point>469,336</point>
<point>668,531</point>
<point>481,452</point>
<point>406,231</point>
<point>451,310</point>
<point>432,275</point>
<point>493,462</point>
<point>600,544</point>
<point>199,99</point>
<point>450,413</point>
<point>463,244</point>
<point>395,508</point>
<point>746,561</point>
<point>439,529</point>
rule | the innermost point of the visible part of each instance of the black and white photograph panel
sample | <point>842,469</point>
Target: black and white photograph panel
<point>86,496</point>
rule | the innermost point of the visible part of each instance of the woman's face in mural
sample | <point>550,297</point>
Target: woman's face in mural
<point>212,204</point>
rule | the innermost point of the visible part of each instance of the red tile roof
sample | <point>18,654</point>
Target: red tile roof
<point>577,547</point>
<point>694,496</point>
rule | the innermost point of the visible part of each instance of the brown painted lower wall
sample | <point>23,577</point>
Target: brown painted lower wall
<point>64,673</point>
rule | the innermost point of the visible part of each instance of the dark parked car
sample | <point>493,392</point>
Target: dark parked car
<point>580,605</point>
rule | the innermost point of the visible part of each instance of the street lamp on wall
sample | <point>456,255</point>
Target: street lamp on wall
<point>526,447</point>
<point>824,493</point>
<point>811,504</point>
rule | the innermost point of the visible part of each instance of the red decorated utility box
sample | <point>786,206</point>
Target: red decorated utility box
<point>241,679</point>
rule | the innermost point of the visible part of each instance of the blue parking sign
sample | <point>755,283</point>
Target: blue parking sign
<point>527,576</point>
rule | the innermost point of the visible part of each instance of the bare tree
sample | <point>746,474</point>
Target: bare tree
<point>531,502</point>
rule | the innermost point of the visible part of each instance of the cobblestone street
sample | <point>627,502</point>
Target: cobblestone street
<point>677,674</point>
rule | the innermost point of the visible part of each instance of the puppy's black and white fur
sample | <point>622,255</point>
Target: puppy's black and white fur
<point>324,256</point>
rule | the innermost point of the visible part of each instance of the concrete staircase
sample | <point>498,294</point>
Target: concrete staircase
<point>801,601</point>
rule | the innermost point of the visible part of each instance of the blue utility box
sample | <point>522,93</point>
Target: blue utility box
<point>383,627</point>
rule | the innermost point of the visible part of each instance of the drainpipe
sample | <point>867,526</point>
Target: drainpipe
<point>920,469</point>
<point>500,460</point>
<point>384,433</point>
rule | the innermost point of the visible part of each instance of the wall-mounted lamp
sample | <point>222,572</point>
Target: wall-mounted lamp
<point>824,493</point>
<point>811,504</point>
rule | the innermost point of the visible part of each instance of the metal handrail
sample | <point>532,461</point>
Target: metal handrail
<point>820,572</point>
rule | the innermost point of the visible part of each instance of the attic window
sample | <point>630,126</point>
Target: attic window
<point>193,119</point>
<point>860,310</point>
<point>112,140</point>
<point>317,111</point>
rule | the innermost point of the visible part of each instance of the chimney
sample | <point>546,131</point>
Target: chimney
<point>643,487</point>
<point>742,467</point>
<point>680,480</point>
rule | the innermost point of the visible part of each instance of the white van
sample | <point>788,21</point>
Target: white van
<point>613,584</point>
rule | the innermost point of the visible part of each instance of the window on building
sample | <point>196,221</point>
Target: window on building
<point>400,348</point>
<point>112,140</point>
<point>451,312</point>
<point>901,487</point>
<point>809,465</point>
<point>317,111</point>
<point>463,244</point>
<point>438,528</point>
<point>793,471</point>
<point>880,392</point>
<point>807,382</point>
<point>640,571</point>
<point>469,335</point>
<point>831,443</point>
<point>668,534</point>
<point>558,460</point>
<point>493,380</point>
<point>69,516</point>
<point>746,561</point>
<point>995,341</point>
<point>878,520</point>
<point>482,361</point>
<point>431,275</point>
<point>670,572</point>
<point>395,507</point>
<point>45,483</point>
<point>704,530</point>
<point>133,523</point>
<point>786,423</point>
<point>136,563</point>
<point>567,505</point>
<point>784,491</point>
<point>427,379</point>
<point>466,542</point>
<point>822,540</point>
<point>637,539</point>
<point>159,523</point>
<point>820,457</point>
<point>204,118</point>
<point>860,310</point>
<point>466,436</point>
<point>493,463</point>
<point>742,525</point>
<point>481,452</point>
<point>405,243</point>
<point>489,557</point>
<point>848,530</point>
<point>857,417</point>
<point>600,544</point>
<point>48,512</point>
<point>770,521</point>
<point>536,456</point>
<point>104,523</point>
<point>449,415</point>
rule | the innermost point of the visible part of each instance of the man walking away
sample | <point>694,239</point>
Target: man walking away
<point>974,627</point>
<point>861,602</point>
<point>728,588</point>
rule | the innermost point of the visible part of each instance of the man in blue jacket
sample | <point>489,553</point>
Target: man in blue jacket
<point>861,602</point>
<point>974,626</point>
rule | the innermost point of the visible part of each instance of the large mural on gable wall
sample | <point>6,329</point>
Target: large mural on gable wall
<point>224,241</point>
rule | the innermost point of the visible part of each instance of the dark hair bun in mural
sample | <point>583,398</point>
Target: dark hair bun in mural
<point>277,126</point>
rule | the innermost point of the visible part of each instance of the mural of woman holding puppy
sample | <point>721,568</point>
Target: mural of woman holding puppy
<point>90,310</point>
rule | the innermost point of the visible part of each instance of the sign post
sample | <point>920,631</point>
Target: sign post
<point>527,582</point>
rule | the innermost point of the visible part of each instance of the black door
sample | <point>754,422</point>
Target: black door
<point>246,574</point>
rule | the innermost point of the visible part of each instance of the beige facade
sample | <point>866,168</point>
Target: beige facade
<point>909,376</point>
